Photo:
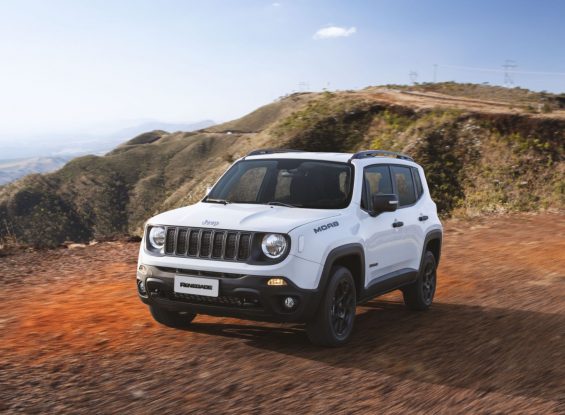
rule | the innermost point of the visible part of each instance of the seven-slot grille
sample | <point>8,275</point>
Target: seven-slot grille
<point>208,243</point>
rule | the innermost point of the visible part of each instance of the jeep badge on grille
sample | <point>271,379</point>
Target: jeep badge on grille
<point>210,222</point>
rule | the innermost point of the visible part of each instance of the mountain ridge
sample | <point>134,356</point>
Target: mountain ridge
<point>481,155</point>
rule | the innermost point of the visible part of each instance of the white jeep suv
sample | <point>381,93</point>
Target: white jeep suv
<point>293,236</point>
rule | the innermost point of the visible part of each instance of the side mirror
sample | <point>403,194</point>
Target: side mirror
<point>383,203</point>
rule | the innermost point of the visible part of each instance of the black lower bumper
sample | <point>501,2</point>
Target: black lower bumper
<point>247,297</point>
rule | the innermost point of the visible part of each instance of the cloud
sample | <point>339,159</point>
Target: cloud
<point>334,31</point>
<point>276,4</point>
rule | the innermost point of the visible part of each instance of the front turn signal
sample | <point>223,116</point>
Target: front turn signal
<point>276,281</point>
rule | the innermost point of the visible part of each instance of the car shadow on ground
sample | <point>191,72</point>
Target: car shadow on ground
<point>485,349</point>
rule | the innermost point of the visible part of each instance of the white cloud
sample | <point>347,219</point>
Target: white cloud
<point>334,31</point>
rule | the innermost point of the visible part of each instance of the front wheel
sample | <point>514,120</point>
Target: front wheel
<point>420,294</point>
<point>333,322</point>
<point>170,318</point>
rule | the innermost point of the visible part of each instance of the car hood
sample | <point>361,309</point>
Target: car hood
<point>248,217</point>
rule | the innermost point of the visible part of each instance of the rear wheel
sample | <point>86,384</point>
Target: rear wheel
<point>420,294</point>
<point>333,322</point>
<point>174,319</point>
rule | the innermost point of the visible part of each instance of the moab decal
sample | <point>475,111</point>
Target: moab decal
<point>326,227</point>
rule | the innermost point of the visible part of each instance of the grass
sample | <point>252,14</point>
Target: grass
<point>474,162</point>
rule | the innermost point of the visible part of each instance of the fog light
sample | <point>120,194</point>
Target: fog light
<point>276,281</point>
<point>290,302</point>
<point>141,287</point>
<point>143,271</point>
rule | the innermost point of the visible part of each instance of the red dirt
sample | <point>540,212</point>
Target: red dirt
<point>75,338</point>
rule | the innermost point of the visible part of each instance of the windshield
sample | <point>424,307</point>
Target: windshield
<point>286,182</point>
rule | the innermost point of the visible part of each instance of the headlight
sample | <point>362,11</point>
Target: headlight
<point>273,245</point>
<point>157,236</point>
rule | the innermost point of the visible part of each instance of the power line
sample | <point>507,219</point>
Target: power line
<point>478,69</point>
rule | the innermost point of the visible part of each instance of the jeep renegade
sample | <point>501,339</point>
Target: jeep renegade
<point>293,236</point>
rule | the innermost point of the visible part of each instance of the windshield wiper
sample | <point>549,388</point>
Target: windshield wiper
<point>221,201</point>
<point>281,204</point>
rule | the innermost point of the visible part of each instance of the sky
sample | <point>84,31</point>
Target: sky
<point>96,66</point>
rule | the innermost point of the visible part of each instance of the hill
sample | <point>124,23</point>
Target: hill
<point>483,152</point>
<point>98,140</point>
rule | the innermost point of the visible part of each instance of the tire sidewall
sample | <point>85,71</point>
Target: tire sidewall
<point>338,275</point>
<point>428,258</point>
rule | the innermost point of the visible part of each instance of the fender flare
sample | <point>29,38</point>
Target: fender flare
<point>337,253</point>
<point>435,234</point>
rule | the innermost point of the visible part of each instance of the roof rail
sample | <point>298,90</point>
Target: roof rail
<point>271,151</point>
<point>380,153</point>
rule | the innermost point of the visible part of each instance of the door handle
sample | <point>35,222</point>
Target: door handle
<point>397,224</point>
<point>423,218</point>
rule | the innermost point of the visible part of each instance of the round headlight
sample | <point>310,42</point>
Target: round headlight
<point>157,236</point>
<point>273,245</point>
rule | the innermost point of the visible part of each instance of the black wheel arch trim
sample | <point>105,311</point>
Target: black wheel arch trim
<point>435,234</point>
<point>340,252</point>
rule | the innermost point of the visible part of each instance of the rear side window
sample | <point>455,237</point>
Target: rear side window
<point>377,181</point>
<point>418,182</point>
<point>402,177</point>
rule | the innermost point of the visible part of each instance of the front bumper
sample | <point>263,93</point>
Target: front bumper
<point>241,296</point>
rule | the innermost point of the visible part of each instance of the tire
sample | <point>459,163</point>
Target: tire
<point>420,294</point>
<point>333,323</point>
<point>172,319</point>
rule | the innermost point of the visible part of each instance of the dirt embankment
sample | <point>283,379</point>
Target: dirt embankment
<point>75,339</point>
<point>482,153</point>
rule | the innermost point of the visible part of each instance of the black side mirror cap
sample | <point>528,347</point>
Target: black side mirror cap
<point>383,203</point>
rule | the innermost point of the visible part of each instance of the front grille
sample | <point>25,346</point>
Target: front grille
<point>243,251</point>
<point>231,245</point>
<point>181,241</point>
<point>170,241</point>
<point>222,300</point>
<point>205,243</point>
<point>208,243</point>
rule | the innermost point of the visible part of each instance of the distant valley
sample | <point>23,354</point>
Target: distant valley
<point>11,170</point>
<point>47,153</point>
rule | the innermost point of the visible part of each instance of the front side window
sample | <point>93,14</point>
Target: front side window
<point>310,184</point>
<point>404,185</point>
<point>377,181</point>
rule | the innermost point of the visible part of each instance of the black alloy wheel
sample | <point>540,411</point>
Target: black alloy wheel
<point>343,308</point>
<point>420,294</point>
<point>429,283</point>
<point>333,323</point>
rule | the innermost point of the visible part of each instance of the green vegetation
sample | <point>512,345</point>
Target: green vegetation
<point>475,162</point>
<point>329,123</point>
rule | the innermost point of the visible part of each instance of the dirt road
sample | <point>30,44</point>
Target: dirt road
<point>75,339</point>
<point>420,99</point>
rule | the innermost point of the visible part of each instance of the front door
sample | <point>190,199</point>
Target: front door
<point>382,242</point>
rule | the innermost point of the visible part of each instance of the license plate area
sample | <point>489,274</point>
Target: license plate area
<point>207,287</point>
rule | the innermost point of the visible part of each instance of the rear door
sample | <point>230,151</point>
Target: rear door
<point>406,224</point>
